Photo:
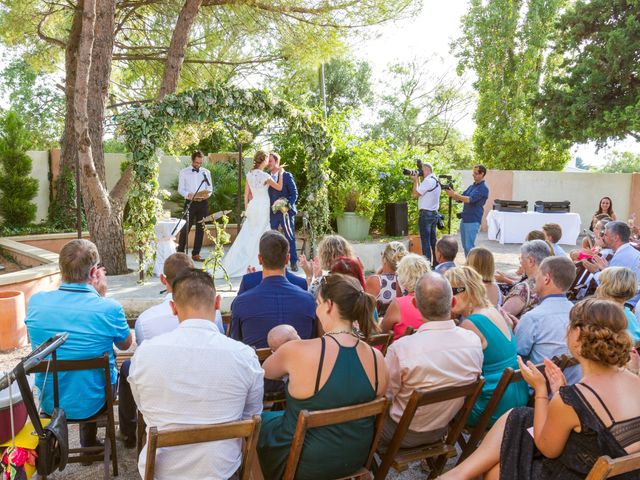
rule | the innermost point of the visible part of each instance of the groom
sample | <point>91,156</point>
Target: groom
<point>290,192</point>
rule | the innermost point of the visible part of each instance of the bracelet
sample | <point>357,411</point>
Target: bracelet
<point>541,397</point>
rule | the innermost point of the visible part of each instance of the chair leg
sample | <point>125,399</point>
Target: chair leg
<point>106,457</point>
<point>111,431</point>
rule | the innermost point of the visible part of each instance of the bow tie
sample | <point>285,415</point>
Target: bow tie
<point>197,170</point>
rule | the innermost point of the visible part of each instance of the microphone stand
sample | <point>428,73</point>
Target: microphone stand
<point>185,214</point>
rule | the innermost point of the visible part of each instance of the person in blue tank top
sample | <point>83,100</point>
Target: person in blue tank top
<point>335,370</point>
<point>619,284</point>
<point>498,341</point>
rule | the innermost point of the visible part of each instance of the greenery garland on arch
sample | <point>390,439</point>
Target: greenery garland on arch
<point>146,129</point>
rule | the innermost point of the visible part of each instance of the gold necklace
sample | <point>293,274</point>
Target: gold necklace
<point>336,332</point>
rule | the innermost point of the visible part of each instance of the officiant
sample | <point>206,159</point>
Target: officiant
<point>189,180</point>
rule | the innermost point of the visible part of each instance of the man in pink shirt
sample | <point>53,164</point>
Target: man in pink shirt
<point>438,355</point>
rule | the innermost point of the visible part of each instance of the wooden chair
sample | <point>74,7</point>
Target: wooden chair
<point>104,418</point>
<point>226,322</point>
<point>271,400</point>
<point>382,340</point>
<point>607,467</point>
<point>322,418</point>
<point>263,354</point>
<point>246,429</point>
<point>436,453</point>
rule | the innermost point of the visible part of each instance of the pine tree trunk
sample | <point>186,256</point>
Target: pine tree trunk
<point>107,233</point>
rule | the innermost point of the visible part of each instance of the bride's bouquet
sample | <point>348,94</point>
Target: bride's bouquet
<point>282,205</point>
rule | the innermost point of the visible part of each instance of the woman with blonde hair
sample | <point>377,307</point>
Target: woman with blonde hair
<point>619,284</point>
<point>481,260</point>
<point>330,248</point>
<point>498,342</point>
<point>597,416</point>
<point>384,283</point>
<point>257,205</point>
<point>402,313</point>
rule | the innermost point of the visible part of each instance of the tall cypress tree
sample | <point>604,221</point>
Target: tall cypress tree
<point>17,188</point>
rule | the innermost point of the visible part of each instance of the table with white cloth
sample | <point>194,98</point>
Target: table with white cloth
<point>165,244</point>
<point>513,227</point>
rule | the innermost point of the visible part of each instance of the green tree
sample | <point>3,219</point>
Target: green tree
<point>347,85</point>
<point>16,186</point>
<point>32,97</point>
<point>595,94</point>
<point>422,108</point>
<point>622,162</point>
<point>504,43</point>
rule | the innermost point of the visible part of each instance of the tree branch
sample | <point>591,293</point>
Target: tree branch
<point>142,57</point>
<point>45,37</point>
<point>120,189</point>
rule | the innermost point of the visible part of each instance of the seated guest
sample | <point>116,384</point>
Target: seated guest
<point>346,371</point>
<point>581,422</point>
<point>519,273</point>
<point>329,248</point>
<point>384,283</point>
<point>481,260</point>
<point>541,332</point>
<point>498,342</point>
<point>160,318</point>
<point>619,284</point>
<point>593,246</point>
<point>616,237</point>
<point>553,234</point>
<point>275,301</point>
<point>605,208</point>
<point>94,323</point>
<point>446,251</point>
<point>438,355</point>
<point>253,279</point>
<point>522,297</point>
<point>195,375</point>
<point>403,313</point>
<point>280,335</point>
<point>348,266</point>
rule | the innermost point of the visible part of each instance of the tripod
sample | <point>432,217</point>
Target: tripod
<point>185,216</point>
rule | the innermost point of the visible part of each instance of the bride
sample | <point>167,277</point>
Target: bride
<point>244,251</point>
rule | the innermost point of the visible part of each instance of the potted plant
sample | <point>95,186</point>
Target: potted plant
<point>354,207</point>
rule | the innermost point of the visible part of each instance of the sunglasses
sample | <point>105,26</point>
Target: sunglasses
<point>457,290</point>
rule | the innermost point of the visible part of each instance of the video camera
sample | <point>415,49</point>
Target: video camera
<point>414,173</point>
<point>446,182</point>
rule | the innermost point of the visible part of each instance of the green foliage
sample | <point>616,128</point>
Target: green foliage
<point>622,162</point>
<point>31,97</point>
<point>505,43</point>
<point>595,93</point>
<point>347,85</point>
<point>17,188</point>
<point>39,229</point>
<point>146,129</point>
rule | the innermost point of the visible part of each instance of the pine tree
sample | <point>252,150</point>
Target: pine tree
<point>17,188</point>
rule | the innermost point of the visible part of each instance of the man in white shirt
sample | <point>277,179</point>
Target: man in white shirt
<point>189,180</point>
<point>438,355</point>
<point>428,194</point>
<point>194,375</point>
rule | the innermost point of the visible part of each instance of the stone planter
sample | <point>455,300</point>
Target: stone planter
<point>13,331</point>
<point>353,227</point>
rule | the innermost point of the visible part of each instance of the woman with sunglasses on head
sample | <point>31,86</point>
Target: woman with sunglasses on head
<point>598,416</point>
<point>498,341</point>
<point>347,372</point>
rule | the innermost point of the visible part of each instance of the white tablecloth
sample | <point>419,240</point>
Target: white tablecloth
<point>512,227</point>
<point>165,245</point>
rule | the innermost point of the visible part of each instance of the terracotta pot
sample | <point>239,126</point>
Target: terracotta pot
<point>415,245</point>
<point>13,331</point>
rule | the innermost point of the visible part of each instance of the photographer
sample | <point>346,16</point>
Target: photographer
<point>474,198</point>
<point>428,194</point>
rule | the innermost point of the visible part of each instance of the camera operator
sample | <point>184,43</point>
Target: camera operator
<point>428,194</point>
<point>474,198</point>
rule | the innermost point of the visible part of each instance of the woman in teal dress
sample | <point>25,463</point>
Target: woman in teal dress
<point>336,370</point>
<point>498,341</point>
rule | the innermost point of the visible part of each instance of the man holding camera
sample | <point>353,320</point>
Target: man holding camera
<point>428,194</point>
<point>473,198</point>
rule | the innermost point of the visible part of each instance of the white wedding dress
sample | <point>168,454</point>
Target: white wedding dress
<point>244,250</point>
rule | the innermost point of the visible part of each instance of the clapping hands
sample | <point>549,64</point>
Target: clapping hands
<point>311,268</point>
<point>538,381</point>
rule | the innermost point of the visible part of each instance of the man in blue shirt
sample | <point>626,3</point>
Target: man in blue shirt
<point>474,198</point>
<point>94,324</point>
<point>253,279</point>
<point>542,332</point>
<point>275,301</point>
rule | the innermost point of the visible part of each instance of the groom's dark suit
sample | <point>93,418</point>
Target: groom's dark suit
<point>290,192</point>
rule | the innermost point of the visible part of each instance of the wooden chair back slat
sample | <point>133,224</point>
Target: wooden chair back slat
<point>323,418</point>
<point>606,467</point>
<point>263,354</point>
<point>246,429</point>
<point>421,398</point>
<point>382,340</point>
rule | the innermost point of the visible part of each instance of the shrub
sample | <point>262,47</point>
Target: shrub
<point>17,188</point>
